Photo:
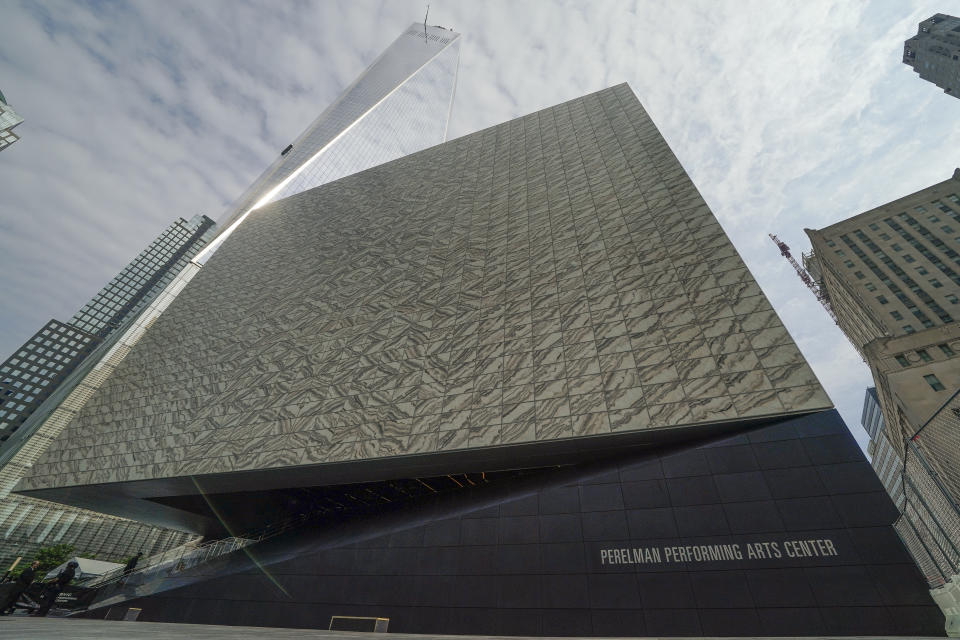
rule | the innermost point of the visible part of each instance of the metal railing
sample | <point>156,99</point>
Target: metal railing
<point>118,585</point>
<point>180,566</point>
<point>145,564</point>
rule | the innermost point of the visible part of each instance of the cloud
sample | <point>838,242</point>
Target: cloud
<point>786,115</point>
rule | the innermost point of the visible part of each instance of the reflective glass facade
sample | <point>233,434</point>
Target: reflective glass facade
<point>40,369</point>
<point>145,277</point>
<point>885,460</point>
<point>8,120</point>
<point>27,525</point>
<point>409,119</point>
<point>31,374</point>
<point>399,105</point>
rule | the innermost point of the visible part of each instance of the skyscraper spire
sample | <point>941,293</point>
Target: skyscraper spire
<point>399,105</point>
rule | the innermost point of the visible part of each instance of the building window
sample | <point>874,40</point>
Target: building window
<point>952,299</point>
<point>896,247</point>
<point>935,283</point>
<point>873,226</point>
<point>859,275</point>
<point>909,258</point>
<point>947,228</point>
<point>947,351</point>
<point>908,328</point>
<point>924,355</point>
<point>934,382</point>
<point>902,361</point>
<point>840,252</point>
<point>848,264</point>
<point>884,236</point>
<point>922,271</point>
<point>882,299</point>
<point>870,286</point>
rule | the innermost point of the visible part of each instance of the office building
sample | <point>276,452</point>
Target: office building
<point>884,457</point>
<point>38,376</point>
<point>892,275</point>
<point>36,369</point>
<point>9,119</point>
<point>400,104</point>
<point>931,521</point>
<point>518,383</point>
<point>28,525</point>
<point>145,277</point>
<point>934,52</point>
<point>33,372</point>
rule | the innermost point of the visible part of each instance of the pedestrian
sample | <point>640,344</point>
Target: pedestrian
<point>22,583</point>
<point>55,587</point>
<point>132,563</point>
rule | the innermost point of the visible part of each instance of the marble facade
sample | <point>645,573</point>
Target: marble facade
<point>554,278</point>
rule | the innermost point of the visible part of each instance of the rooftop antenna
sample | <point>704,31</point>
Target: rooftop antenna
<point>425,24</point>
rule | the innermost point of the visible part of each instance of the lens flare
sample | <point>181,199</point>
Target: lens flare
<point>229,530</point>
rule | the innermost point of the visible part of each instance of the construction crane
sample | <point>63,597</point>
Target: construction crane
<point>807,279</point>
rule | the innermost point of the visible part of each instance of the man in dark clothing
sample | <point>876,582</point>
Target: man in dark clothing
<point>56,586</point>
<point>24,580</point>
<point>132,564</point>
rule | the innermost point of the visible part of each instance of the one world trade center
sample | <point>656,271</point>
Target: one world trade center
<point>399,105</point>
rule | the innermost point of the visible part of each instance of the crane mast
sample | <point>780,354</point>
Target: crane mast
<point>805,276</point>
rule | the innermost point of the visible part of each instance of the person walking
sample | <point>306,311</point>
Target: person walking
<point>132,563</point>
<point>22,583</point>
<point>55,587</point>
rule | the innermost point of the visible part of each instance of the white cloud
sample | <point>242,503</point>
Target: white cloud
<point>786,115</point>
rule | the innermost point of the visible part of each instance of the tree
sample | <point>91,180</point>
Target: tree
<point>49,558</point>
<point>54,556</point>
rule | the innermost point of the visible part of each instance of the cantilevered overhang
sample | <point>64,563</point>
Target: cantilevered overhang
<point>543,292</point>
<point>230,503</point>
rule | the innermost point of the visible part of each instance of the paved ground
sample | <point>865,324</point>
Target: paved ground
<point>25,628</point>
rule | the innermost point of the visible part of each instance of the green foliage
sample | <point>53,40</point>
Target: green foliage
<point>54,556</point>
<point>49,558</point>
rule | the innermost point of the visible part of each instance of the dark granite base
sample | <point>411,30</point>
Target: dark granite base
<point>782,531</point>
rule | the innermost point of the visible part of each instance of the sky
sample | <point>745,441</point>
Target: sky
<point>786,115</point>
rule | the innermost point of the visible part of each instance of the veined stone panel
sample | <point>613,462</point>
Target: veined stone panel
<point>556,277</point>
